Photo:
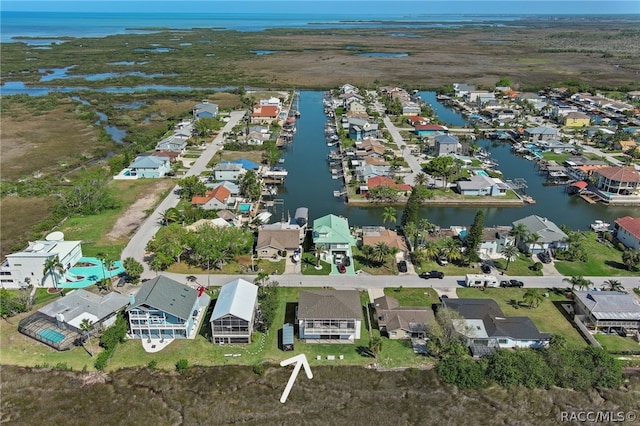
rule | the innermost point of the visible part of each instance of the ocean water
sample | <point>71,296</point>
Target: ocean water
<point>91,24</point>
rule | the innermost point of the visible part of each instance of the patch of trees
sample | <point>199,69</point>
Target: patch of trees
<point>10,306</point>
<point>268,302</point>
<point>89,195</point>
<point>110,339</point>
<point>208,247</point>
<point>474,237</point>
<point>418,194</point>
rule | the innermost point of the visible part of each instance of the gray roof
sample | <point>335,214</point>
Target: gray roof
<point>547,230</point>
<point>237,298</point>
<point>280,239</point>
<point>228,167</point>
<point>329,304</point>
<point>541,130</point>
<point>476,182</point>
<point>167,295</point>
<point>148,162</point>
<point>610,305</point>
<point>495,323</point>
<point>78,303</point>
<point>446,139</point>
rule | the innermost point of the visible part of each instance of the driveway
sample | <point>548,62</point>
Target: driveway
<point>548,269</point>
<point>137,244</point>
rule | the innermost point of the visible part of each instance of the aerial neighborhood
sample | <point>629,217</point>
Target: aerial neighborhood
<point>226,261</point>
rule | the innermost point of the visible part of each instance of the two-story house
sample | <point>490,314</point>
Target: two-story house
<point>329,316</point>
<point>233,314</point>
<point>332,236</point>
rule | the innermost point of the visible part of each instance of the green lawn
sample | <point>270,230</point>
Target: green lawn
<point>615,343</point>
<point>519,266</point>
<point>413,296</point>
<point>547,316</point>
<point>603,260</point>
<point>308,265</point>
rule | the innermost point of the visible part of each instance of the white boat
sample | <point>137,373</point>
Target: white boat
<point>599,226</point>
<point>264,217</point>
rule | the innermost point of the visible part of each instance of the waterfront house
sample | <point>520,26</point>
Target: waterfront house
<point>627,231</point>
<point>149,166</point>
<point>486,328</point>
<point>606,309</point>
<point>348,88</point>
<point>216,199</point>
<point>378,181</point>
<point>246,164</point>
<point>332,235</point>
<point>401,322</point>
<point>59,323</point>
<point>369,171</point>
<point>228,171</point>
<point>274,243</point>
<point>166,309</point>
<point>494,240</point>
<point>576,119</point>
<point>264,114</point>
<point>416,119</point>
<point>462,89</point>
<point>357,107</point>
<point>410,109</point>
<point>541,133</point>
<point>173,143</point>
<point>549,235</point>
<point>481,184</point>
<point>618,180</point>
<point>372,235</point>
<point>422,130</point>
<point>360,129</point>
<point>234,311</point>
<point>205,110</point>
<point>233,187</point>
<point>555,145</point>
<point>329,316</point>
<point>369,148</point>
<point>447,144</point>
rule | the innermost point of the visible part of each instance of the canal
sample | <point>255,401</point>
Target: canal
<point>309,183</point>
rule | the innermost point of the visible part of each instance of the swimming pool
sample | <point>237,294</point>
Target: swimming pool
<point>51,335</point>
<point>244,207</point>
<point>482,173</point>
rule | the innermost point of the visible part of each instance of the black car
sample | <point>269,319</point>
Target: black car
<point>486,269</point>
<point>402,266</point>
<point>432,274</point>
<point>544,257</point>
<point>347,261</point>
<point>512,283</point>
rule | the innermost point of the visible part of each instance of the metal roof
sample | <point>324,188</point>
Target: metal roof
<point>167,295</point>
<point>237,298</point>
<point>80,304</point>
<point>610,305</point>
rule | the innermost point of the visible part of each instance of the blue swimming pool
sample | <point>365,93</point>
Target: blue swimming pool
<point>244,207</point>
<point>482,173</point>
<point>51,335</point>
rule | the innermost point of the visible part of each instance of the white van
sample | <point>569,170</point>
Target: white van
<point>481,280</point>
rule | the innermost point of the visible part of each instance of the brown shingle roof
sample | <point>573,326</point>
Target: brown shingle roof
<point>620,174</point>
<point>329,304</point>
<point>281,239</point>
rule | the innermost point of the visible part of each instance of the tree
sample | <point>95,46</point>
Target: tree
<point>90,195</point>
<point>451,249</point>
<point>389,215</point>
<point>420,179</point>
<point>133,267</point>
<point>631,258</point>
<point>503,82</point>
<point>375,346</point>
<point>510,252</point>
<point>170,215</point>
<point>613,285</point>
<point>578,281</point>
<point>250,185</point>
<point>444,339</point>
<point>191,186</point>
<point>86,325</point>
<point>519,232</point>
<point>377,253</point>
<point>411,233</point>
<point>54,267</point>
<point>441,166</point>
<point>532,297</point>
<point>262,278</point>
<point>474,236</point>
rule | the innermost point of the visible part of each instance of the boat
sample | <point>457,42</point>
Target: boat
<point>264,217</point>
<point>528,199</point>
<point>281,161</point>
<point>599,226</point>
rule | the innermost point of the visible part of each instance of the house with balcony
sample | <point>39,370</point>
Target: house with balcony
<point>446,144</point>
<point>216,199</point>
<point>264,113</point>
<point>166,309</point>
<point>541,133</point>
<point>549,235</point>
<point>332,235</point>
<point>607,309</point>
<point>627,231</point>
<point>486,328</point>
<point>233,315</point>
<point>618,180</point>
<point>149,166</point>
<point>228,171</point>
<point>329,316</point>
<point>360,129</point>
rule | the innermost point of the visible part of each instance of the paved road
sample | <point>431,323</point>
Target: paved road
<point>136,246</point>
<point>406,153</point>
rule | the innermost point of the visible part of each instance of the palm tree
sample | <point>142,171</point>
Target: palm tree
<point>532,297</point>
<point>578,281</point>
<point>389,215</point>
<point>53,266</point>
<point>631,258</point>
<point>317,250</point>
<point>423,227</point>
<point>510,252</point>
<point>532,238</point>
<point>86,325</point>
<point>420,179</point>
<point>379,252</point>
<point>613,285</point>
<point>451,249</point>
<point>375,346</point>
<point>170,215</point>
<point>411,232</point>
<point>519,232</point>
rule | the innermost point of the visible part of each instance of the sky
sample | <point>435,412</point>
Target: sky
<point>345,6</point>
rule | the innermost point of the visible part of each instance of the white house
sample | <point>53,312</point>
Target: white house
<point>228,171</point>
<point>234,312</point>
<point>627,231</point>
<point>549,235</point>
<point>329,316</point>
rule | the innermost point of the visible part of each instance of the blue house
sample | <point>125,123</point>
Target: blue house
<point>360,129</point>
<point>150,166</point>
<point>446,144</point>
<point>423,130</point>
<point>205,110</point>
<point>165,309</point>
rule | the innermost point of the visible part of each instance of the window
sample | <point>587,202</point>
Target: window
<point>503,341</point>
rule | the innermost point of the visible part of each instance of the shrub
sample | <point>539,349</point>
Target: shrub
<point>153,364</point>
<point>258,369</point>
<point>537,266</point>
<point>182,365</point>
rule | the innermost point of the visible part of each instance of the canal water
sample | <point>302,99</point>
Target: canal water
<point>309,183</point>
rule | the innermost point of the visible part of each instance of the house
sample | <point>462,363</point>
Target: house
<point>494,240</point>
<point>462,89</point>
<point>247,164</point>
<point>357,107</point>
<point>561,110</point>
<point>205,110</point>
<point>369,149</point>
<point>329,316</point>
<point>372,235</point>
<point>541,133</point>
<point>556,146</point>
<point>430,129</point>
<point>216,199</point>
<point>549,235</point>
<point>402,322</point>
<point>271,101</point>
<point>172,156</point>
<point>480,184</point>
<point>172,143</point>
<point>446,144</point>
<point>627,231</point>
<point>377,181</point>
<point>233,314</point>
<point>411,109</point>
<point>485,99</point>
<point>228,171</point>
<point>486,328</point>
<point>360,129</point>
<point>332,236</point>
<point>416,119</point>
<point>606,309</point>
<point>348,88</point>
<point>368,171</point>
<point>273,243</point>
<point>166,309</point>
<point>59,324</point>
<point>629,145</point>
<point>149,166</point>
<point>618,180</point>
<point>264,113</point>
<point>576,119</point>
<point>233,187</point>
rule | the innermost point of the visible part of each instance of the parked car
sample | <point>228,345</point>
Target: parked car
<point>341,268</point>
<point>432,274</point>
<point>347,260</point>
<point>511,283</point>
<point>486,269</point>
<point>544,257</point>
<point>402,266</point>
<point>442,261</point>
<point>444,296</point>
